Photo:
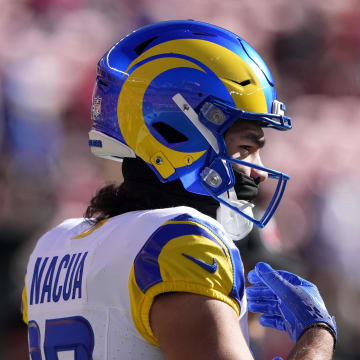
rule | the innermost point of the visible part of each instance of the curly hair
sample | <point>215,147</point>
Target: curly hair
<point>115,199</point>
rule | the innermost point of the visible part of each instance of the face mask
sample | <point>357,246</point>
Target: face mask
<point>236,225</point>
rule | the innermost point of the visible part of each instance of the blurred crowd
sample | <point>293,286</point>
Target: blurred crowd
<point>48,55</point>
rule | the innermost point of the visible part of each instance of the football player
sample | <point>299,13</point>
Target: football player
<point>151,272</point>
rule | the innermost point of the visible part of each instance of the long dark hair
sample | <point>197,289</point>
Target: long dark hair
<point>111,200</point>
<point>141,190</point>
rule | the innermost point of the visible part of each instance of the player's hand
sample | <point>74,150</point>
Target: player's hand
<point>287,302</point>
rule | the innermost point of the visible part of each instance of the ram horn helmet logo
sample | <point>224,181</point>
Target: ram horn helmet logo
<point>96,106</point>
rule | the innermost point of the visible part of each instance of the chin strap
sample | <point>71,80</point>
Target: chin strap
<point>236,225</point>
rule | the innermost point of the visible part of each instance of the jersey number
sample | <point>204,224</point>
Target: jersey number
<point>62,335</point>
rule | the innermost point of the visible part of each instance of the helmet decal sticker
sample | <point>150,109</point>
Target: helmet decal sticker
<point>96,107</point>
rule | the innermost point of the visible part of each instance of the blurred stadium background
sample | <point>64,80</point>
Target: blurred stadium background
<point>48,54</point>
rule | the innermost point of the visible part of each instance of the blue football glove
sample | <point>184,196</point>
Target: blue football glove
<point>287,301</point>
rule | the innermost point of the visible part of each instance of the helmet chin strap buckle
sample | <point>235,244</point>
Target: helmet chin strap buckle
<point>236,225</point>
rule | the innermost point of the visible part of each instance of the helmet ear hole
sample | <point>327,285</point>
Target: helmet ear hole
<point>171,135</point>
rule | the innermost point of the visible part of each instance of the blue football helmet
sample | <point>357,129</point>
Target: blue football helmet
<point>168,92</point>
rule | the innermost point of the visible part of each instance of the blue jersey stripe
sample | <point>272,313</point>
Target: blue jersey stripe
<point>146,266</point>
<point>238,273</point>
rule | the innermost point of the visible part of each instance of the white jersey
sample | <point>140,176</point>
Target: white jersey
<point>88,290</point>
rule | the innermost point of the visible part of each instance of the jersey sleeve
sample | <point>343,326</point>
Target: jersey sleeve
<point>185,254</point>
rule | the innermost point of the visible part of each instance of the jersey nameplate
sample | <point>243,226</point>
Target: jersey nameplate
<point>57,278</point>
